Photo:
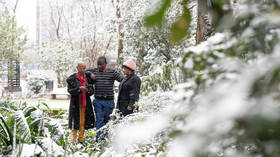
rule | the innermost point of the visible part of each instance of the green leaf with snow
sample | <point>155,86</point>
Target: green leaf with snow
<point>180,28</point>
<point>157,18</point>
<point>22,128</point>
<point>6,136</point>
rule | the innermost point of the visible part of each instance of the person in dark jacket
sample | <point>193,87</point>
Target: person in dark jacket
<point>129,89</point>
<point>104,95</point>
<point>81,115</point>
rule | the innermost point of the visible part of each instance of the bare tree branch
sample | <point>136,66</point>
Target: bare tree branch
<point>15,7</point>
<point>108,45</point>
<point>68,26</point>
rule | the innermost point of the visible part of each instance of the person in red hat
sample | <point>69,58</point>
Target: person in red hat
<point>129,88</point>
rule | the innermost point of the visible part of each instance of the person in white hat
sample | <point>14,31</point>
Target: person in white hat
<point>129,88</point>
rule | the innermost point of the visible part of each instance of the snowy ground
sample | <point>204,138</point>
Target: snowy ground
<point>54,104</point>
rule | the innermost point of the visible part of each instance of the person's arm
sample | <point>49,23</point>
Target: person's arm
<point>118,76</point>
<point>90,74</point>
<point>72,88</point>
<point>132,95</point>
<point>90,86</point>
<point>138,84</point>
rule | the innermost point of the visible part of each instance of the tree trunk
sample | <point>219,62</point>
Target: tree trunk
<point>120,33</point>
<point>140,61</point>
<point>204,27</point>
<point>58,79</point>
<point>200,25</point>
<point>166,52</point>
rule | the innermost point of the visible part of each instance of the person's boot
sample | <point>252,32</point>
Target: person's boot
<point>74,137</point>
<point>81,134</point>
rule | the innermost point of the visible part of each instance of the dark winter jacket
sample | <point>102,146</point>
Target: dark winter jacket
<point>74,115</point>
<point>104,83</point>
<point>129,90</point>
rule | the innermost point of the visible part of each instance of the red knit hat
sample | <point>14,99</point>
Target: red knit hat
<point>130,63</point>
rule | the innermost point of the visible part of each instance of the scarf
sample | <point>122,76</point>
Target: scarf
<point>82,96</point>
<point>128,75</point>
<point>105,69</point>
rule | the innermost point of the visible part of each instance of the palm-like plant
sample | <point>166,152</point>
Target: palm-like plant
<point>5,133</point>
<point>22,124</point>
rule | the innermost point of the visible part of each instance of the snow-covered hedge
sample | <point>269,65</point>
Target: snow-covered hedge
<point>36,83</point>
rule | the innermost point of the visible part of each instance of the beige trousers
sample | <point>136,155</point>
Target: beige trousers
<point>82,126</point>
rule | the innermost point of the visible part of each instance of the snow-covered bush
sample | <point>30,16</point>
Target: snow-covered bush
<point>36,83</point>
<point>160,80</point>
